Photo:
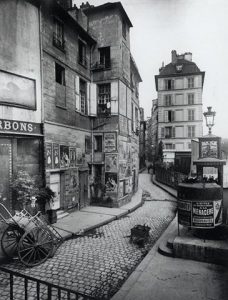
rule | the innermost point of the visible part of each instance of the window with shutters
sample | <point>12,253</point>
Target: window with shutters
<point>169,116</point>
<point>191,115</point>
<point>191,131</point>
<point>169,84</point>
<point>168,132</point>
<point>104,99</point>
<point>83,98</point>
<point>190,99</point>
<point>191,82</point>
<point>168,100</point>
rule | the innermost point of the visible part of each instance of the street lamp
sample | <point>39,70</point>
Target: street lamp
<point>209,116</point>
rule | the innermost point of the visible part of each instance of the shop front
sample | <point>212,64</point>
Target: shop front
<point>21,145</point>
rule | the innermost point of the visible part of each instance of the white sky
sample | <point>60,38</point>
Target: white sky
<point>197,26</point>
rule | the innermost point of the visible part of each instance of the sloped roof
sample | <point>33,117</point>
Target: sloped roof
<point>189,67</point>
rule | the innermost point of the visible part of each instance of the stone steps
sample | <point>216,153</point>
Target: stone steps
<point>166,247</point>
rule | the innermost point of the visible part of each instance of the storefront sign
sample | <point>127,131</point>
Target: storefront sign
<point>109,141</point>
<point>202,214</point>
<point>48,147</point>
<point>111,163</point>
<point>56,159</point>
<point>20,126</point>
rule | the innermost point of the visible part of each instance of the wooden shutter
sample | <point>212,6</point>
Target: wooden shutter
<point>88,97</point>
<point>76,90</point>
<point>114,98</point>
<point>166,115</point>
<point>93,99</point>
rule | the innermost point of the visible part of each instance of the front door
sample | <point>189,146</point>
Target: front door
<point>55,187</point>
<point>83,180</point>
<point>5,172</point>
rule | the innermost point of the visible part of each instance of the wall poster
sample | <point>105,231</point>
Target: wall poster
<point>56,159</point>
<point>111,183</point>
<point>121,189</point>
<point>64,156</point>
<point>72,154</point>
<point>122,169</point>
<point>111,163</point>
<point>109,141</point>
<point>48,147</point>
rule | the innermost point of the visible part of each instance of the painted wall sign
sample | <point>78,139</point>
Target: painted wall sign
<point>109,141</point>
<point>111,163</point>
<point>56,157</point>
<point>72,156</point>
<point>48,147</point>
<point>64,156</point>
<point>20,126</point>
<point>17,90</point>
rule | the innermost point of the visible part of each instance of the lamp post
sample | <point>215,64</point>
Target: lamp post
<point>209,116</point>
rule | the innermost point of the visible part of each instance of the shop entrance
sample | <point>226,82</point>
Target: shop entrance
<point>18,154</point>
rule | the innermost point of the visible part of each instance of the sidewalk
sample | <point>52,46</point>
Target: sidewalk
<point>164,187</point>
<point>94,216</point>
<point>160,277</point>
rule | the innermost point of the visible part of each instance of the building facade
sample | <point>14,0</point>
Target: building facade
<point>179,88</point>
<point>69,100</point>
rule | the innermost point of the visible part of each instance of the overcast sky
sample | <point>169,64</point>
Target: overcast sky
<point>197,26</point>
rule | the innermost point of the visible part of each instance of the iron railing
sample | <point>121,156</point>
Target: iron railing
<point>39,288</point>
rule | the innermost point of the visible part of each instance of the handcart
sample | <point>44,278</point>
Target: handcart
<point>139,234</point>
<point>27,237</point>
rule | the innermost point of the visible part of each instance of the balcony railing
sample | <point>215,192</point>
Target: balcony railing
<point>100,67</point>
<point>58,42</point>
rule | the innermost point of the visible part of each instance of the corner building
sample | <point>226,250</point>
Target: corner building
<point>179,88</point>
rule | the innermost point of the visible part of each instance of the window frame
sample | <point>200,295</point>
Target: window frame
<point>82,53</point>
<point>83,96</point>
<point>191,115</point>
<point>58,39</point>
<point>106,95</point>
<point>191,131</point>
<point>191,82</point>
<point>62,81</point>
<point>105,57</point>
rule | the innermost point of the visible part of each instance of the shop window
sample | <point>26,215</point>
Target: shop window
<point>105,60</point>
<point>98,143</point>
<point>104,99</point>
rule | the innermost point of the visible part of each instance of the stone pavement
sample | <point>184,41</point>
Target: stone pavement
<point>98,262</point>
<point>160,277</point>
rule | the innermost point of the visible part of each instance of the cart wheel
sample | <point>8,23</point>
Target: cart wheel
<point>10,240</point>
<point>35,246</point>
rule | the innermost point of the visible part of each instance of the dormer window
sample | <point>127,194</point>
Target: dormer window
<point>179,68</point>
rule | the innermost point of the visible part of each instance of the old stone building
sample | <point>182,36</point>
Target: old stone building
<point>179,86</point>
<point>69,100</point>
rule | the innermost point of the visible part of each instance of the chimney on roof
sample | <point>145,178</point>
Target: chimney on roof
<point>174,56</point>
<point>66,4</point>
<point>85,5</point>
<point>188,56</point>
<point>162,67</point>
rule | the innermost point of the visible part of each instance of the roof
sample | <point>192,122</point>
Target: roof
<point>133,64</point>
<point>109,5</point>
<point>170,70</point>
<point>189,67</point>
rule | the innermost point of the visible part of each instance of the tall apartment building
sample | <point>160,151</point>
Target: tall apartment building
<point>69,102</point>
<point>179,88</point>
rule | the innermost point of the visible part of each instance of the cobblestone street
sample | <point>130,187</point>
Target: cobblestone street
<point>98,263</point>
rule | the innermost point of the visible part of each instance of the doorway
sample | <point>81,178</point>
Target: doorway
<point>83,181</point>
